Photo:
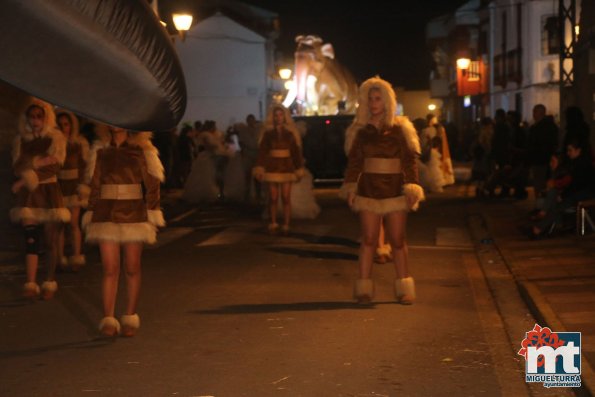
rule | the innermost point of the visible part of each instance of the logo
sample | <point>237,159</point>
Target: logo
<point>552,358</point>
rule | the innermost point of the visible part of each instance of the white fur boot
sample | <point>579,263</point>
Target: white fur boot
<point>364,290</point>
<point>405,290</point>
<point>109,326</point>
<point>76,261</point>
<point>383,254</point>
<point>31,290</point>
<point>130,324</point>
<point>48,289</point>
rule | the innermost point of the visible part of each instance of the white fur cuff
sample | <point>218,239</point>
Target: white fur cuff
<point>31,179</point>
<point>155,217</point>
<point>346,188</point>
<point>86,219</point>
<point>415,193</point>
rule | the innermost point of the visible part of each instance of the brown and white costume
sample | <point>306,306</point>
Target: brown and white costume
<point>382,173</point>
<point>72,174</point>
<point>40,199</point>
<point>124,204</point>
<point>382,168</point>
<point>280,153</point>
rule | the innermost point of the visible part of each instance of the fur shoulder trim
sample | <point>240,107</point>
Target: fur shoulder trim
<point>141,139</point>
<point>92,160</point>
<point>154,166</point>
<point>58,146</point>
<point>409,132</point>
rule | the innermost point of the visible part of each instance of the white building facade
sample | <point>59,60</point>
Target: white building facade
<point>523,54</point>
<point>225,66</point>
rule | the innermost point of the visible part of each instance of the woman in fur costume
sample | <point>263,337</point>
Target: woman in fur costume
<point>74,191</point>
<point>381,183</point>
<point>38,153</point>
<point>280,162</point>
<point>123,213</point>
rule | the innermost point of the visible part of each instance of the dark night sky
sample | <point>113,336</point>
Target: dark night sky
<point>384,37</point>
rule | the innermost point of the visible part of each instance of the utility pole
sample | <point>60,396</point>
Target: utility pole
<point>566,27</point>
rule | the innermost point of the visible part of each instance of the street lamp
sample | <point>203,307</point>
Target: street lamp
<point>463,63</point>
<point>285,73</point>
<point>182,22</point>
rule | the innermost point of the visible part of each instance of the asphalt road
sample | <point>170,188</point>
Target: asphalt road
<point>229,310</point>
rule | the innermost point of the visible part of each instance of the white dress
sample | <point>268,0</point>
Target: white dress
<point>201,184</point>
<point>431,175</point>
<point>234,180</point>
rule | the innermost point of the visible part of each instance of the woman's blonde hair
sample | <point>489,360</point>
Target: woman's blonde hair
<point>288,122</point>
<point>389,98</point>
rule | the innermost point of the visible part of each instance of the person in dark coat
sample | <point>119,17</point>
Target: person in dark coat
<point>541,145</point>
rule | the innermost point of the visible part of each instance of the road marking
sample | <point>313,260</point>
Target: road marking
<point>183,215</point>
<point>169,235</point>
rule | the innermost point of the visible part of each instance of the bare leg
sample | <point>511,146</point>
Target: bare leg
<point>110,258</point>
<point>132,255</point>
<point>370,227</point>
<point>273,199</point>
<point>75,230</point>
<point>396,223</point>
<point>286,196</point>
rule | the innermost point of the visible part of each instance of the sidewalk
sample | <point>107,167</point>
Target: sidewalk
<point>556,276</point>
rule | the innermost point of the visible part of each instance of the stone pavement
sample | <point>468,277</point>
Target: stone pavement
<point>555,276</point>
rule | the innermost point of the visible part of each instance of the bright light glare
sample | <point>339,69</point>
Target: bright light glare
<point>285,73</point>
<point>431,107</point>
<point>182,22</point>
<point>289,84</point>
<point>463,63</point>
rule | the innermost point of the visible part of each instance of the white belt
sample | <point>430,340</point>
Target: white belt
<point>378,165</point>
<point>121,192</point>
<point>51,179</point>
<point>68,174</point>
<point>279,153</point>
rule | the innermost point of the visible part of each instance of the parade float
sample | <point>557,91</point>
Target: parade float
<point>323,99</point>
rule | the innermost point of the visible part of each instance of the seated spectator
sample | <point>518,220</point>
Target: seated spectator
<point>581,187</point>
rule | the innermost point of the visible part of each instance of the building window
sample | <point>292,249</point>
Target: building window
<point>473,71</point>
<point>550,37</point>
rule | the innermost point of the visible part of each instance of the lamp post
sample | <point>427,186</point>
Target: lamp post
<point>182,22</point>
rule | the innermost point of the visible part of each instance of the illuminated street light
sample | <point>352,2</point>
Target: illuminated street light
<point>463,63</point>
<point>182,22</point>
<point>285,73</point>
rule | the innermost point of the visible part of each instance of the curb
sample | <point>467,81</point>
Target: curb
<point>546,315</point>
